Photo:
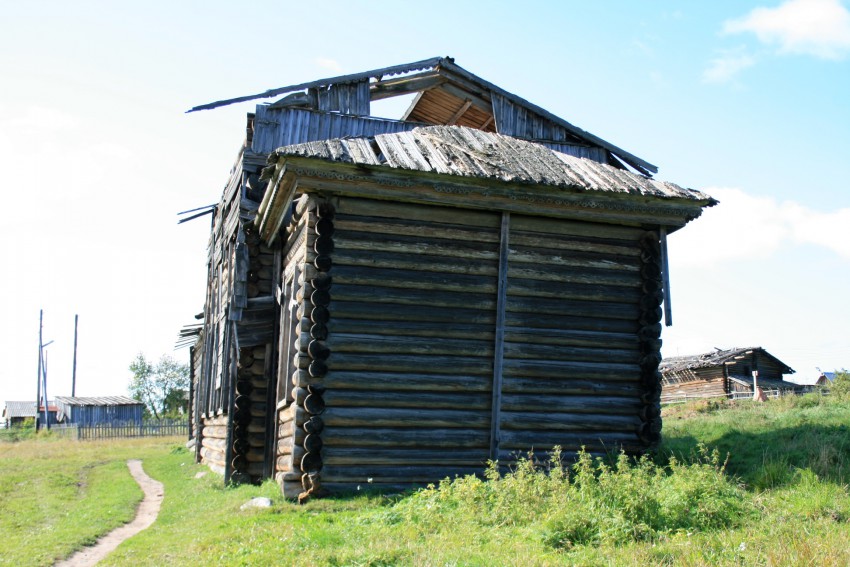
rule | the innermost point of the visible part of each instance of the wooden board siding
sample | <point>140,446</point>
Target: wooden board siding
<point>275,128</point>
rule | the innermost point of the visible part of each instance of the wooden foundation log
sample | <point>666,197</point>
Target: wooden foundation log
<point>396,474</point>
<point>594,440</point>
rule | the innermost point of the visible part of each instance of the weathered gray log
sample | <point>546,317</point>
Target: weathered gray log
<point>411,261</point>
<point>569,422</point>
<point>214,444</point>
<point>339,417</point>
<point>409,456</point>
<point>406,437</point>
<point>604,353</point>
<point>368,310</point>
<point>382,474</point>
<point>391,277</point>
<point>544,440</point>
<point>373,379</point>
<point>571,404</point>
<point>557,385</point>
<point>418,297</point>
<point>565,370</point>
<point>381,398</point>
<point>464,365</point>
<point>373,344</point>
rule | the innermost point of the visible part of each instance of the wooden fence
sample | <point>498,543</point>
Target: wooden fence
<point>122,430</point>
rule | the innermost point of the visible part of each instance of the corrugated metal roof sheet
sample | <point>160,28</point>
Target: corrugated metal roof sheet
<point>97,401</point>
<point>19,409</point>
<point>467,152</point>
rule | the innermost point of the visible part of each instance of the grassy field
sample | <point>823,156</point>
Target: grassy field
<point>751,484</point>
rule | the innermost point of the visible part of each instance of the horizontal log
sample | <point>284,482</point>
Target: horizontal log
<point>525,441</point>
<point>568,258</point>
<point>571,386</point>
<point>405,437</point>
<point>339,327</point>
<point>603,354</point>
<point>217,468</point>
<point>338,417</point>
<point>594,291</point>
<point>377,456</point>
<point>363,259</point>
<point>376,297</point>
<point>573,274</point>
<point>591,243</point>
<point>535,403</point>
<point>572,307</point>
<point>212,456</point>
<point>429,230</point>
<point>381,398</point>
<point>560,321</point>
<point>562,370</point>
<point>216,431</point>
<point>382,474</point>
<point>571,337</point>
<point>389,277</point>
<point>214,444</point>
<point>536,224</point>
<point>368,311</point>
<point>372,379</point>
<point>400,345</point>
<point>569,422</point>
<point>364,241</point>
<point>291,489</point>
<point>369,208</point>
<point>442,364</point>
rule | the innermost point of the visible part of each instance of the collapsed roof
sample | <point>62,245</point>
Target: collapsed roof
<point>445,94</point>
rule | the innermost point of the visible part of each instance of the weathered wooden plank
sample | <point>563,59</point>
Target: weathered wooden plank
<point>525,441</point>
<point>401,345</point>
<point>568,385</point>
<point>443,364</point>
<point>596,309</point>
<point>413,328</point>
<point>420,229</point>
<point>600,353</point>
<point>414,261</point>
<point>416,297</point>
<point>571,337</point>
<point>569,422</point>
<point>576,291</point>
<point>467,250</point>
<point>412,279</point>
<point>412,311</point>
<point>356,207</point>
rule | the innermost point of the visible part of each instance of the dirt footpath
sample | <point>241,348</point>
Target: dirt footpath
<point>145,516</point>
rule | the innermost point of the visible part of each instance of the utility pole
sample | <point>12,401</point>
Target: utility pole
<point>74,370</point>
<point>38,379</point>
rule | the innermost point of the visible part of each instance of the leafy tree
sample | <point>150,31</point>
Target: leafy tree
<point>162,386</point>
<point>840,387</point>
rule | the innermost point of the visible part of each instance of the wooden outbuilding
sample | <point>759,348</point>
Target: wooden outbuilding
<point>722,373</point>
<point>397,301</point>
<point>16,413</point>
<point>99,410</point>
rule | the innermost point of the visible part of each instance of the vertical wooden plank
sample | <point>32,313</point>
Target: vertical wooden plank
<point>272,372</point>
<point>499,350</point>
<point>665,274</point>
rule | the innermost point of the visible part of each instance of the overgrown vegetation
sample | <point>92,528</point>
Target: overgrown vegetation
<point>781,498</point>
<point>162,386</point>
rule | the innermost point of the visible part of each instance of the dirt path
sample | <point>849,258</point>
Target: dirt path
<point>145,516</point>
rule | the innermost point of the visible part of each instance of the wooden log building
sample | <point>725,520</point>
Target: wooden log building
<point>723,372</point>
<point>402,300</point>
<point>100,409</point>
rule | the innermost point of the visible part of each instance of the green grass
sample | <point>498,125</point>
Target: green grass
<point>780,498</point>
<point>57,496</point>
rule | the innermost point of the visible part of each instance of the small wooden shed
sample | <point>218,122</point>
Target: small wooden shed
<point>16,413</point>
<point>398,301</point>
<point>723,372</point>
<point>102,409</point>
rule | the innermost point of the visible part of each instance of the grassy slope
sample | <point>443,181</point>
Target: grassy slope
<point>791,457</point>
<point>57,496</point>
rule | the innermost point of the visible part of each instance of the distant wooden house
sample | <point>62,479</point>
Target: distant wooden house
<point>402,300</point>
<point>16,413</point>
<point>97,410</point>
<point>723,372</point>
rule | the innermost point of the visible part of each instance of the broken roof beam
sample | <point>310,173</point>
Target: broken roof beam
<point>393,70</point>
<point>406,85</point>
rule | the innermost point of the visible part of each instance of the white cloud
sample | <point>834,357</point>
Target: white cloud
<point>810,27</point>
<point>330,64</point>
<point>745,226</point>
<point>725,67</point>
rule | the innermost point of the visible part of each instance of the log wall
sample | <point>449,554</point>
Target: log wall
<point>404,371</point>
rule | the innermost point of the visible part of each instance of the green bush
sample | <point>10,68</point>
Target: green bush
<point>840,387</point>
<point>591,502</point>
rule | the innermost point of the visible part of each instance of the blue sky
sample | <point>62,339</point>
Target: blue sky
<point>744,100</point>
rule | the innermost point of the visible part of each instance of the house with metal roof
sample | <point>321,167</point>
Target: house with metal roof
<point>722,373</point>
<point>15,413</point>
<point>404,300</point>
<point>98,410</point>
